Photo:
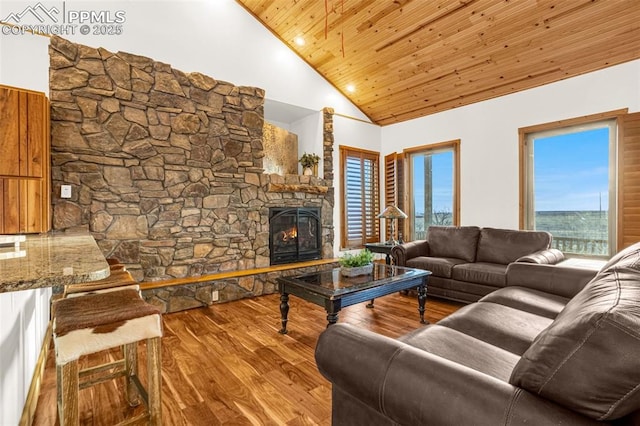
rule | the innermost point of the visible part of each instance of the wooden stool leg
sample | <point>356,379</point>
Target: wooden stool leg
<point>131,369</point>
<point>154,368</point>
<point>68,384</point>
<point>59,389</point>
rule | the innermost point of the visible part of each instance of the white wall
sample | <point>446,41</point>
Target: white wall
<point>309,131</point>
<point>24,317</point>
<point>24,61</point>
<point>354,134</point>
<point>489,135</point>
<point>214,37</point>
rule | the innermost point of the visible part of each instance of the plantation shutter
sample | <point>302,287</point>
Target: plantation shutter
<point>628,180</point>
<point>394,192</point>
<point>361,202</point>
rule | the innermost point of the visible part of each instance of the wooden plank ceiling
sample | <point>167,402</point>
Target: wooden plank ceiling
<point>410,58</point>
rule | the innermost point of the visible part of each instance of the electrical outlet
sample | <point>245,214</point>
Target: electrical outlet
<point>65,191</point>
<point>215,296</point>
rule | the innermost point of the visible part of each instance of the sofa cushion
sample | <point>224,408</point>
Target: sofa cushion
<point>506,245</point>
<point>587,360</point>
<point>481,273</point>
<point>463,349</point>
<point>453,242</point>
<point>529,300</point>
<point>439,266</point>
<point>510,329</point>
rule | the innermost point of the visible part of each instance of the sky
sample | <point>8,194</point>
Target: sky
<point>571,171</point>
<point>442,169</point>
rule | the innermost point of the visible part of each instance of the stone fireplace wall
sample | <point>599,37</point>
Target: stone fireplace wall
<point>166,168</point>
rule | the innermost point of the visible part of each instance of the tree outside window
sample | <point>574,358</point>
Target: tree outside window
<point>426,186</point>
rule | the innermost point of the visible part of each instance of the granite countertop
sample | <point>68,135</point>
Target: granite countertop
<point>52,259</point>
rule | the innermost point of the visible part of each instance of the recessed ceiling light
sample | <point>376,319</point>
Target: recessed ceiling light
<point>299,41</point>
<point>351,88</point>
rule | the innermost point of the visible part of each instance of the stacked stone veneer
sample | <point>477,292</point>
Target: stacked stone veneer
<point>166,171</point>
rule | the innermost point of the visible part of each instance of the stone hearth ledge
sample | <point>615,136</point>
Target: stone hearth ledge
<point>53,259</point>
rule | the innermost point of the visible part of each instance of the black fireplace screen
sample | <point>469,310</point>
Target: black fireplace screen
<point>295,234</point>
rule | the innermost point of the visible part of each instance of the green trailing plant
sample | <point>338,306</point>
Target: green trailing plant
<point>309,160</point>
<point>349,260</point>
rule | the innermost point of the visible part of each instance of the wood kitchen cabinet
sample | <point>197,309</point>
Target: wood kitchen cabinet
<point>24,161</point>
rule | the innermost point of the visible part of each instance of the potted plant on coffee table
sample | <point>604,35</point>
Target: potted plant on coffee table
<point>352,265</point>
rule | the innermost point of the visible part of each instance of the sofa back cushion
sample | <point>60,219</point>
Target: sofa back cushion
<point>455,242</point>
<point>587,359</point>
<point>506,245</point>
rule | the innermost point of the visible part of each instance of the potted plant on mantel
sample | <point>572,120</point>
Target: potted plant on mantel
<point>352,265</point>
<point>310,163</point>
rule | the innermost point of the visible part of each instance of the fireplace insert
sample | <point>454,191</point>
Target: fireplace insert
<point>295,234</point>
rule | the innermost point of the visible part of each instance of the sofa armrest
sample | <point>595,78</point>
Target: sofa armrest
<point>564,281</point>
<point>549,256</point>
<point>403,252</point>
<point>412,386</point>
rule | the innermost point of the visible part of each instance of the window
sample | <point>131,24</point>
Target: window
<point>570,185</point>
<point>360,179</point>
<point>430,178</point>
<point>432,187</point>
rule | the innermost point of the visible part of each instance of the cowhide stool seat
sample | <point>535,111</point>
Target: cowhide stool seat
<point>117,278</point>
<point>115,265</point>
<point>95,322</point>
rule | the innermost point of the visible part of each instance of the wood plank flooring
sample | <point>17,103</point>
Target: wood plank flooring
<point>228,365</point>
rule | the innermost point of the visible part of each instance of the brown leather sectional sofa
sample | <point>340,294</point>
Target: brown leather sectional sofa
<point>468,262</point>
<point>556,346</point>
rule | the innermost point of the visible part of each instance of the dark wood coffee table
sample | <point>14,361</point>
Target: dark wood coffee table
<point>333,291</point>
<point>383,248</point>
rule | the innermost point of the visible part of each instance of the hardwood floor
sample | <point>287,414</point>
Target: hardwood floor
<point>227,364</point>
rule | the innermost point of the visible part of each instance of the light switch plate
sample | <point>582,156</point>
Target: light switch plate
<point>65,191</point>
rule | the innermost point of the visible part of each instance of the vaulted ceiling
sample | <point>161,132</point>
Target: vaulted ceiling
<point>410,58</point>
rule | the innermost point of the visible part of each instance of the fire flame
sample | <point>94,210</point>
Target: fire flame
<point>290,234</point>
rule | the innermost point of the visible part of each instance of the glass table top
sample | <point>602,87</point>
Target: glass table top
<point>331,283</point>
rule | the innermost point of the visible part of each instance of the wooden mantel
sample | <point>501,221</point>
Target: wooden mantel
<point>309,189</point>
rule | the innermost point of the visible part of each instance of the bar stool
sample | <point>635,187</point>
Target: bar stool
<point>93,322</point>
<point>118,279</point>
<point>115,265</point>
